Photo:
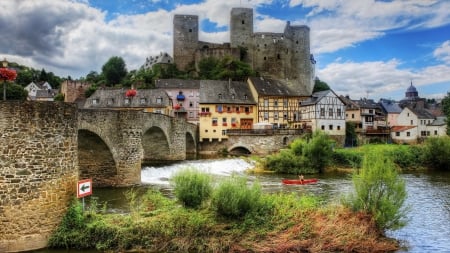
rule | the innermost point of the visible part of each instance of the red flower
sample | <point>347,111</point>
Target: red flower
<point>177,106</point>
<point>7,74</point>
<point>131,93</point>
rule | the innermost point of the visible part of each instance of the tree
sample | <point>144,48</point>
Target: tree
<point>446,110</point>
<point>16,92</point>
<point>114,70</point>
<point>320,86</point>
<point>379,191</point>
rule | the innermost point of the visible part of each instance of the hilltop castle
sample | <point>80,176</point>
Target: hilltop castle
<point>283,56</point>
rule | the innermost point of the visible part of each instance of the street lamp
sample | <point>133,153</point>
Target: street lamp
<point>6,75</point>
<point>5,65</point>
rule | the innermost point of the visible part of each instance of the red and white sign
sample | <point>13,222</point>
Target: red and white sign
<point>84,188</point>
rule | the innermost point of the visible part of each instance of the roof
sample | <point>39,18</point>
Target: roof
<point>421,113</point>
<point>349,104</point>
<point>113,98</point>
<point>177,84</point>
<point>367,103</point>
<point>401,128</point>
<point>439,121</point>
<point>411,88</point>
<point>272,87</point>
<point>46,93</point>
<point>317,96</point>
<point>225,92</point>
<point>390,106</point>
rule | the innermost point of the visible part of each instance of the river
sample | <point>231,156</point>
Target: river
<point>428,228</point>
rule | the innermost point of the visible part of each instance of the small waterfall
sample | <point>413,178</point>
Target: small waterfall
<point>217,167</point>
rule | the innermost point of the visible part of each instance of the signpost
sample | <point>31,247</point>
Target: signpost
<point>84,188</point>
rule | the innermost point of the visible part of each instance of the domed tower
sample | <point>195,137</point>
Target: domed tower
<point>411,93</point>
<point>185,39</point>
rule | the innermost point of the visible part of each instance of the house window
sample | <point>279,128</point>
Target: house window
<point>232,96</point>
<point>353,115</point>
<point>330,112</point>
<point>275,115</point>
<point>330,127</point>
<point>275,103</point>
<point>397,134</point>
<point>224,121</point>
<point>408,134</point>
<point>338,112</point>
<point>158,111</point>
<point>220,95</point>
<point>266,102</point>
<point>435,132</point>
<point>423,133</point>
<point>95,101</point>
<point>143,100</point>
<point>371,111</point>
<point>224,132</point>
<point>322,112</point>
<point>266,116</point>
<point>285,116</point>
<point>191,114</point>
<point>285,103</point>
<point>245,97</point>
<point>214,121</point>
<point>110,101</point>
<point>322,127</point>
<point>412,122</point>
<point>228,108</point>
<point>338,128</point>
<point>127,101</point>
<point>247,109</point>
<point>159,100</point>
<point>191,104</point>
<point>219,108</point>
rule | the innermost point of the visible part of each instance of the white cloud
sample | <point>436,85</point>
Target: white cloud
<point>443,52</point>
<point>378,78</point>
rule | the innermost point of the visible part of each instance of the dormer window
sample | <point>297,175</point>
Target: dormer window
<point>159,100</point>
<point>232,96</point>
<point>110,101</point>
<point>143,100</point>
<point>95,101</point>
<point>245,97</point>
<point>220,95</point>
<point>127,101</point>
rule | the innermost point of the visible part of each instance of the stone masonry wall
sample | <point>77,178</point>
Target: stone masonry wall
<point>38,170</point>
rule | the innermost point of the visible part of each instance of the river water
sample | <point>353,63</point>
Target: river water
<point>428,229</point>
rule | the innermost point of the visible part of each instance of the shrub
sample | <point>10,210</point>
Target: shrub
<point>347,158</point>
<point>436,153</point>
<point>192,187</point>
<point>234,199</point>
<point>379,191</point>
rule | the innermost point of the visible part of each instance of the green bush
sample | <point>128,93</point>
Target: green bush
<point>436,153</point>
<point>347,157</point>
<point>379,191</point>
<point>234,199</point>
<point>192,187</point>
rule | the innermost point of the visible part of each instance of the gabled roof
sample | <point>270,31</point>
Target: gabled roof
<point>349,104</point>
<point>225,92</point>
<point>46,93</point>
<point>177,84</point>
<point>421,113</point>
<point>317,96</point>
<point>367,103</point>
<point>272,87</point>
<point>439,121</point>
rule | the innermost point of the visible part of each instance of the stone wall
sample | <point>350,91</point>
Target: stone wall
<point>39,171</point>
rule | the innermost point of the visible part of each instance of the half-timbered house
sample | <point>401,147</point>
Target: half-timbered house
<point>277,103</point>
<point>325,111</point>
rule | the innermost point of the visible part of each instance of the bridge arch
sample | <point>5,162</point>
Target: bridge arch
<point>240,149</point>
<point>155,145</point>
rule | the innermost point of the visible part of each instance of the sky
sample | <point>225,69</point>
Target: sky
<point>363,48</point>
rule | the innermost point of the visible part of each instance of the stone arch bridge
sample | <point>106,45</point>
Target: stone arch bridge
<point>113,144</point>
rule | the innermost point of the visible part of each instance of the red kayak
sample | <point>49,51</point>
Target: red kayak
<point>298,181</point>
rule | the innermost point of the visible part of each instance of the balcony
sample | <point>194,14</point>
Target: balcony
<point>204,114</point>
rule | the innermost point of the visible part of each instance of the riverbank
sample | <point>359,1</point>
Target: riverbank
<point>159,224</point>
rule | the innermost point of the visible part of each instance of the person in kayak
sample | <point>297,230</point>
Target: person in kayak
<point>301,178</point>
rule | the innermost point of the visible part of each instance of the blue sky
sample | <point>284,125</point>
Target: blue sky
<point>363,48</point>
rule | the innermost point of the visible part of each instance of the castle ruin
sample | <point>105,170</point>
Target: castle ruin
<point>283,56</point>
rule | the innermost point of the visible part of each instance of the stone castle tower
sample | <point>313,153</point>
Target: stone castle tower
<point>284,56</point>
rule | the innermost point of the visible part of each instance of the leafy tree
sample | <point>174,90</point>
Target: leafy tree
<point>114,70</point>
<point>320,85</point>
<point>436,153</point>
<point>25,77</point>
<point>59,97</point>
<point>446,110</point>
<point>207,67</point>
<point>15,92</point>
<point>379,191</point>
<point>90,90</point>
<point>93,77</point>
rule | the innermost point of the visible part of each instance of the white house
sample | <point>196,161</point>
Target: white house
<point>414,125</point>
<point>33,89</point>
<point>325,111</point>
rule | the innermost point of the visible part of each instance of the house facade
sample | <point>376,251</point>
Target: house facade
<point>44,89</point>
<point>414,125</point>
<point>277,103</point>
<point>325,111</point>
<point>224,105</point>
<point>185,95</point>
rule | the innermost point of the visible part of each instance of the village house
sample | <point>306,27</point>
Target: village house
<point>224,105</point>
<point>148,100</point>
<point>42,91</point>
<point>185,95</point>
<point>325,111</point>
<point>277,103</point>
<point>391,109</point>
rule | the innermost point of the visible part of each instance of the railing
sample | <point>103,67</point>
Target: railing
<point>265,131</point>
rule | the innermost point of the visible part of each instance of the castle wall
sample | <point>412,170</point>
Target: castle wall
<point>39,171</point>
